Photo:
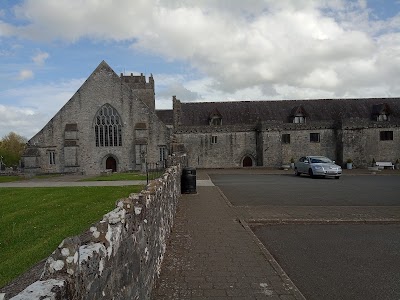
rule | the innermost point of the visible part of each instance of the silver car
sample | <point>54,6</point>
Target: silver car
<point>317,166</point>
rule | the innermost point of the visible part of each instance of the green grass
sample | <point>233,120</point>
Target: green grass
<point>117,176</point>
<point>34,221</point>
<point>10,178</point>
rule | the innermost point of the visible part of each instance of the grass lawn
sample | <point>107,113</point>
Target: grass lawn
<point>117,176</point>
<point>34,221</point>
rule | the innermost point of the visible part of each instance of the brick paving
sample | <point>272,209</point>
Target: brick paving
<point>213,255</point>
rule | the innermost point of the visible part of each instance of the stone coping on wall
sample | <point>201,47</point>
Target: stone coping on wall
<point>120,256</point>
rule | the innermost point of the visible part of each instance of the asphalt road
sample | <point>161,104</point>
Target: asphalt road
<point>289,190</point>
<point>355,262</point>
<point>342,261</point>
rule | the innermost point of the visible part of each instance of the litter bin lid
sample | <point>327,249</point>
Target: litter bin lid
<point>189,170</point>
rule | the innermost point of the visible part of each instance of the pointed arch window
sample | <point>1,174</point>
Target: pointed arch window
<point>108,127</point>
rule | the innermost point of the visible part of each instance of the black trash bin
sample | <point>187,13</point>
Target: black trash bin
<point>188,181</point>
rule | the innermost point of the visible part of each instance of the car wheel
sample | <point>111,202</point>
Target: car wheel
<point>296,172</point>
<point>337,177</point>
<point>310,172</point>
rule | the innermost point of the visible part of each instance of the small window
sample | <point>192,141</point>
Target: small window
<point>382,118</point>
<point>386,135</point>
<point>314,137</point>
<point>52,157</point>
<point>213,139</point>
<point>285,138</point>
<point>216,121</point>
<point>299,119</point>
<point>162,152</point>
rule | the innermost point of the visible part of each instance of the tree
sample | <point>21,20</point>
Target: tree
<point>11,148</point>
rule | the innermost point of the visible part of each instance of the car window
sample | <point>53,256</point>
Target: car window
<point>302,159</point>
<point>320,160</point>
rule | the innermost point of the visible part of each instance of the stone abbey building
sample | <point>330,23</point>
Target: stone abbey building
<point>111,123</point>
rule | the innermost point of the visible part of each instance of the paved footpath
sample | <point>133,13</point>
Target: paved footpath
<point>212,255</point>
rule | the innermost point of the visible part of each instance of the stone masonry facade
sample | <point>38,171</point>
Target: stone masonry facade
<point>111,123</point>
<point>272,133</point>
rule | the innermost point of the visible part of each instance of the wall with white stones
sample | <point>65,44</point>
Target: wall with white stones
<point>118,257</point>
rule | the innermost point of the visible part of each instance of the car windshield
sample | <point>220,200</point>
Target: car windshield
<point>318,160</point>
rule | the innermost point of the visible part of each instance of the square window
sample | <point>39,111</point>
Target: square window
<point>285,138</point>
<point>213,139</point>
<point>386,135</point>
<point>314,137</point>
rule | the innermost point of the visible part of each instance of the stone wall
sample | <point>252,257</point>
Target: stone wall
<point>218,146</point>
<point>70,134</point>
<point>118,257</point>
<point>226,146</point>
<point>362,142</point>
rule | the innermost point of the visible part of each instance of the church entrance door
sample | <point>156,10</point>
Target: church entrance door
<point>111,163</point>
<point>247,162</point>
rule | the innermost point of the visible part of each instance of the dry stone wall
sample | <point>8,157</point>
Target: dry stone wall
<point>118,257</point>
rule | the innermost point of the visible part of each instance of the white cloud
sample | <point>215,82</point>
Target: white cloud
<point>36,105</point>
<point>266,48</point>
<point>23,121</point>
<point>25,74</point>
<point>40,58</point>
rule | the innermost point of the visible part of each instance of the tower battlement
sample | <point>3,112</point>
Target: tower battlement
<point>144,90</point>
<point>138,81</point>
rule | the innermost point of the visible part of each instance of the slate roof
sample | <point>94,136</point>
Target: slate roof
<point>31,151</point>
<point>249,112</point>
<point>380,109</point>
<point>166,116</point>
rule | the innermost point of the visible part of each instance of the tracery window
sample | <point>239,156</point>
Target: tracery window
<point>108,127</point>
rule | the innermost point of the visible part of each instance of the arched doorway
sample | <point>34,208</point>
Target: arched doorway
<point>247,162</point>
<point>111,163</point>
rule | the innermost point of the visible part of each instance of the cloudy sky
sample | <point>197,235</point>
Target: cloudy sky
<point>198,50</point>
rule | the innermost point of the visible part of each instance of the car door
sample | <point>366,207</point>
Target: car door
<point>300,165</point>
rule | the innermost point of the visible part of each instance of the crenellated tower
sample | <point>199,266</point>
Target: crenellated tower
<point>143,90</point>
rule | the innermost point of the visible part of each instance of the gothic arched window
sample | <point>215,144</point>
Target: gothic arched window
<point>108,127</point>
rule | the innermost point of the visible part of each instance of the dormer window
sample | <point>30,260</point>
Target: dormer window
<point>299,119</point>
<point>216,121</point>
<point>381,112</point>
<point>383,117</point>
<point>298,115</point>
<point>215,118</point>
